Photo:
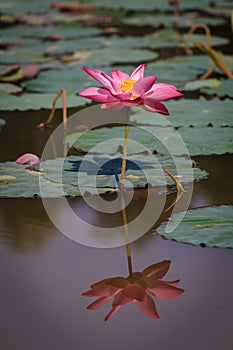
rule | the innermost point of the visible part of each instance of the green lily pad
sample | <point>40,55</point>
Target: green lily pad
<point>181,69</point>
<point>225,89</point>
<point>206,141</point>
<point>94,174</point>
<point>18,56</point>
<point>36,101</point>
<point>53,32</point>
<point>160,139</point>
<point>34,6</point>
<point>25,6</point>
<point>200,83</point>
<point>73,79</point>
<point>160,39</point>
<point>74,45</point>
<point>211,226</point>
<point>148,4</point>
<point>203,113</point>
<point>18,182</point>
<point>9,88</point>
<point>114,137</point>
<point>186,20</point>
<point>111,55</point>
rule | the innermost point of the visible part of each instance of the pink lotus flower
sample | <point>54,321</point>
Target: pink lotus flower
<point>121,90</point>
<point>28,158</point>
<point>137,287</point>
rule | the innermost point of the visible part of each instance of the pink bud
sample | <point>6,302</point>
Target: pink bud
<point>28,158</point>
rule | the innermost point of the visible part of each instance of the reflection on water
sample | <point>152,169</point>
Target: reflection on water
<point>137,287</point>
<point>23,224</point>
<point>43,273</point>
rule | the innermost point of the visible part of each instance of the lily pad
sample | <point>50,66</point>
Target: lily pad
<point>206,141</point>
<point>204,113</point>
<point>18,182</point>
<point>92,173</point>
<point>185,20</point>
<point>18,56</point>
<point>9,88</point>
<point>73,79</point>
<point>181,69</point>
<point>225,89</point>
<point>162,38</point>
<point>148,4</point>
<point>210,226</point>
<point>109,140</point>
<point>162,140</point>
<point>36,101</point>
<point>201,83</point>
<point>111,55</point>
<point>52,33</point>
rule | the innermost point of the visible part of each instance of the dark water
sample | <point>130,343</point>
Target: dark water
<point>43,273</point>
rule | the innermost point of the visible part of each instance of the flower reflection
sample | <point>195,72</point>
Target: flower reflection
<point>138,287</point>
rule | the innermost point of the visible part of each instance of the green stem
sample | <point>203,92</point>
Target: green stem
<point>122,194</point>
<point>124,156</point>
<point>126,231</point>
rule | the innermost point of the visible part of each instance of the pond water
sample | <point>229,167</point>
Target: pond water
<point>43,273</point>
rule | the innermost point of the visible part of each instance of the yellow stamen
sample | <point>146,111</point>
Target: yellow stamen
<point>127,85</point>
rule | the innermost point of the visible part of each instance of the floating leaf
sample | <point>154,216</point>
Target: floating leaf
<point>205,141</point>
<point>160,39</point>
<point>36,101</point>
<point>9,88</point>
<point>19,182</point>
<point>186,20</point>
<point>18,56</point>
<point>7,73</point>
<point>94,174</point>
<point>211,226</point>
<point>223,90</point>
<point>203,113</point>
<point>181,69</point>
<point>200,83</point>
<point>111,55</point>
<point>59,32</point>
<point>163,140</point>
<point>73,78</point>
<point>16,73</point>
<point>109,140</point>
<point>148,4</point>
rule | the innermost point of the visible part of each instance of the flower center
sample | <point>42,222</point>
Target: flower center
<point>127,85</point>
